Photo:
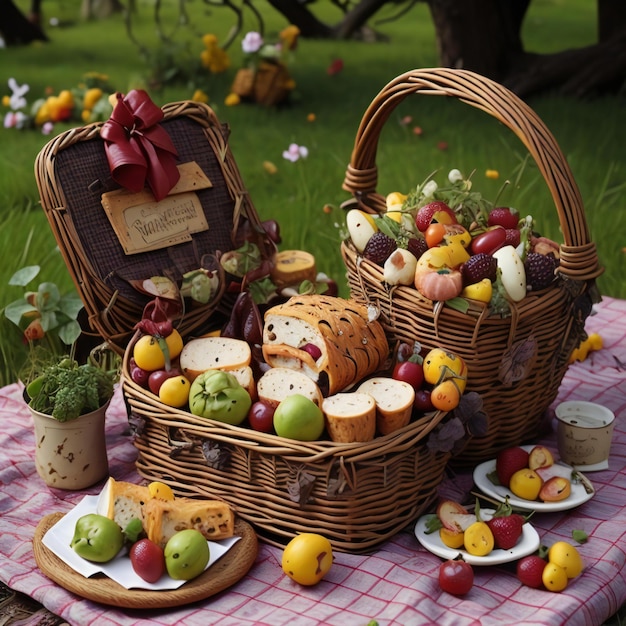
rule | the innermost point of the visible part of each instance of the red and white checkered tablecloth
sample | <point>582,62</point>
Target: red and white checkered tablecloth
<point>397,584</point>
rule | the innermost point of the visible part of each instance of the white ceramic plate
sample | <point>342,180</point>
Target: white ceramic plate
<point>528,543</point>
<point>578,496</point>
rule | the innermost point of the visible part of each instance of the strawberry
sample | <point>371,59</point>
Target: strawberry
<point>508,462</point>
<point>530,571</point>
<point>506,530</point>
<point>435,211</point>
<point>503,216</point>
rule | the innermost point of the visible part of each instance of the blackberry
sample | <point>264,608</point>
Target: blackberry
<point>379,248</point>
<point>477,267</point>
<point>539,270</point>
<point>417,247</point>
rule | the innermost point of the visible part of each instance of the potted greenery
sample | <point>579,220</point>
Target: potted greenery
<point>67,395</point>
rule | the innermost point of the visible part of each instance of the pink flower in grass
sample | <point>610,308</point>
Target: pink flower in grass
<point>295,152</point>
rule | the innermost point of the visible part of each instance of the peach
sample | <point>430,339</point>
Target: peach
<point>555,489</point>
<point>540,456</point>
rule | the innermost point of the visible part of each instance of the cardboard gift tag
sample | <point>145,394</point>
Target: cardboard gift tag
<point>143,224</point>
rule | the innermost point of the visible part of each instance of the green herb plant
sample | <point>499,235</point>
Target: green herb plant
<point>56,383</point>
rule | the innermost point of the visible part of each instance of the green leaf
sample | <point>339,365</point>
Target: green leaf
<point>69,332</point>
<point>47,297</point>
<point>23,276</point>
<point>16,310</point>
<point>580,536</point>
<point>458,304</point>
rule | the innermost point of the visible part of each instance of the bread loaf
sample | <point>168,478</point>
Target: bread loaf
<point>122,502</point>
<point>164,518</point>
<point>394,402</point>
<point>279,382</point>
<point>328,338</point>
<point>350,417</point>
<point>205,353</point>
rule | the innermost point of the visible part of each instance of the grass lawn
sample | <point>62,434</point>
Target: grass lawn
<point>587,132</point>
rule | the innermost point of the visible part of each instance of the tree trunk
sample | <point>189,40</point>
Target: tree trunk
<point>484,36</point>
<point>479,35</point>
<point>15,28</point>
<point>298,14</point>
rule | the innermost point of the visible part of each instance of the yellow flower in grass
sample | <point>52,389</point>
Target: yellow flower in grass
<point>232,100</point>
<point>492,174</point>
<point>91,97</point>
<point>200,96</point>
<point>289,36</point>
<point>214,58</point>
<point>6,101</point>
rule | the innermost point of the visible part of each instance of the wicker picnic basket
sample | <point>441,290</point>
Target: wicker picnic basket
<point>515,363</point>
<point>72,173</point>
<point>357,495</point>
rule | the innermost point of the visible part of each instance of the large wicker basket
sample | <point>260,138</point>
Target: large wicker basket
<point>543,328</point>
<point>357,495</point>
<point>72,173</point>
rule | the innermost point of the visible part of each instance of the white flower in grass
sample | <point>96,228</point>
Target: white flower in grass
<point>429,188</point>
<point>295,152</point>
<point>252,42</point>
<point>455,176</point>
<point>17,100</point>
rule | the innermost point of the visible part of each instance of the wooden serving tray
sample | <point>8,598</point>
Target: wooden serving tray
<point>228,570</point>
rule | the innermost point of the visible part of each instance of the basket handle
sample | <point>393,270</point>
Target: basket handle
<point>579,258</point>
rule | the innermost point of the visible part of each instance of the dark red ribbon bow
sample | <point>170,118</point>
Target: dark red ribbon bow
<point>137,148</point>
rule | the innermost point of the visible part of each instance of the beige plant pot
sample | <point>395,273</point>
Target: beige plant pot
<point>71,455</point>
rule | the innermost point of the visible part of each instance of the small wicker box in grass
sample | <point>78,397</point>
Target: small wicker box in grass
<point>356,494</point>
<point>516,362</point>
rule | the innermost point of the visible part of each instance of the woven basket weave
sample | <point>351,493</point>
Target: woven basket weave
<point>516,363</point>
<point>72,172</point>
<point>357,494</point>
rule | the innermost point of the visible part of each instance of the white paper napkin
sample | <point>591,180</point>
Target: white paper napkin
<point>58,538</point>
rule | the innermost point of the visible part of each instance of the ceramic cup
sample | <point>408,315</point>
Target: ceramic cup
<point>584,432</point>
<point>71,455</point>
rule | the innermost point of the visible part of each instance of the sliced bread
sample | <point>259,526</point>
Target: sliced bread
<point>394,402</point>
<point>350,417</point>
<point>279,382</point>
<point>206,353</point>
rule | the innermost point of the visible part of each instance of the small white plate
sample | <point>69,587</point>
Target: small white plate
<point>578,496</point>
<point>528,543</point>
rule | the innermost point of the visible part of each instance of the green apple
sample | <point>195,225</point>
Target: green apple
<point>186,554</point>
<point>298,417</point>
<point>97,538</point>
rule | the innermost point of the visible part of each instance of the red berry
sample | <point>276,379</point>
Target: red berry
<point>513,237</point>
<point>503,216</point>
<point>530,570</point>
<point>148,560</point>
<point>506,530</point>
<point>379,248</point>
<point>478,267</point>
<point>456,576</point>
<point>508,462</point>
